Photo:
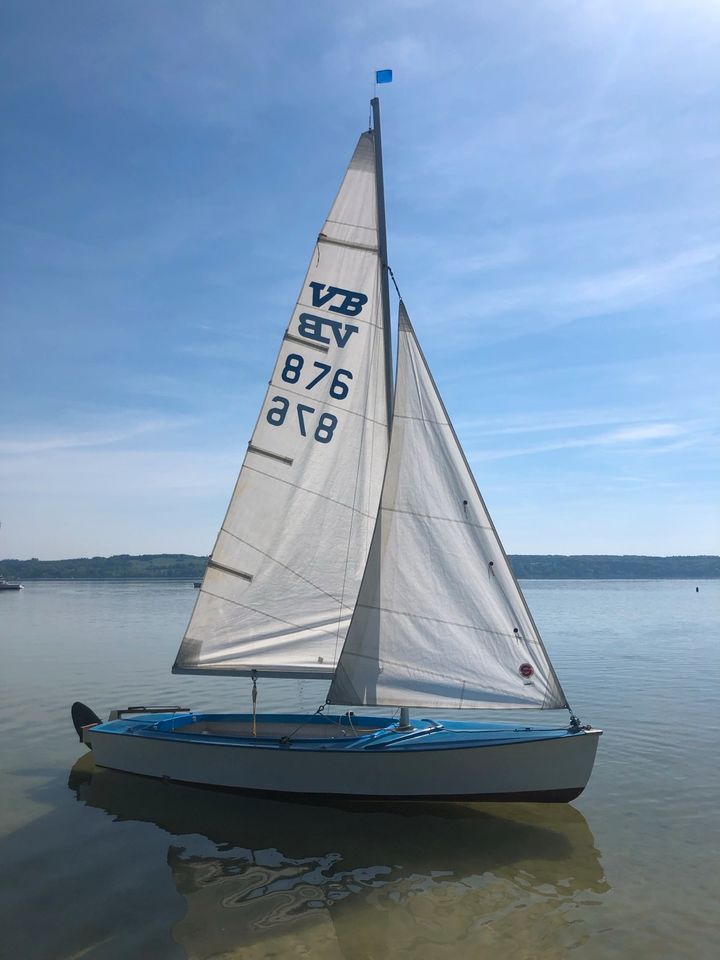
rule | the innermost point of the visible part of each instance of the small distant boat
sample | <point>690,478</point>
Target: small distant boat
<point>6,585</point>
<point>357,549</point>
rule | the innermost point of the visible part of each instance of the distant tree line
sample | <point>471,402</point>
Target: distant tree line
<point>184,566</point>
<point>148,566</point>
<point>580,567</point>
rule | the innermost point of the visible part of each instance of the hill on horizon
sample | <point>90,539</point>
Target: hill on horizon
<point>182,566</point>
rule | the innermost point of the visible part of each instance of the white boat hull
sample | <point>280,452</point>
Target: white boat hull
<point>548,769</point>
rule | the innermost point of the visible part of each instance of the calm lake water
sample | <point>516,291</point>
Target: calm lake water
<point>101,865</point>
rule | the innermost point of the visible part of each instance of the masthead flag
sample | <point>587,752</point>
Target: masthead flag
<point>383,76</point>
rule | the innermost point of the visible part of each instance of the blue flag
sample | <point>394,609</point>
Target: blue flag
<point>383,76</point>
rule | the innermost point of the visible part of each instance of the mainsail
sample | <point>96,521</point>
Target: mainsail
<point>286,568</point>
<point>440,620</point>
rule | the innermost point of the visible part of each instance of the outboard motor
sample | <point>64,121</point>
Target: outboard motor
<point>83,716</point>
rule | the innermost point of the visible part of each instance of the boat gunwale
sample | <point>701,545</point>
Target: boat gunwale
<point>371,743</point>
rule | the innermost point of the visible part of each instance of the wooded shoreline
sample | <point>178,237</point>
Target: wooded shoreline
<point>180,566</point>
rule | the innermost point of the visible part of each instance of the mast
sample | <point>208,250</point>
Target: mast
<point>382,250</point>
<point>404,723</point>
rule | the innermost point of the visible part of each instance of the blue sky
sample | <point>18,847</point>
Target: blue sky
<point>554,224</point>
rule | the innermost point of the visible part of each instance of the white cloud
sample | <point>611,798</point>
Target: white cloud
<point>562,300</point>
<point>544,421</point>
<point>648,431</point>
<point>641,436</point>
<point>63,440</point>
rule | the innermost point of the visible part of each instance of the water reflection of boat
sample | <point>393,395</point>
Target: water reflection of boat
<point>365,880</point>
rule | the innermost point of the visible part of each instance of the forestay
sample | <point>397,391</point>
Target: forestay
<point>440,620</point>
<point>285,571</point>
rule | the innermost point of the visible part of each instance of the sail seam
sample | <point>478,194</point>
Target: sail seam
<point>324,238</point>
<point>283,565</point>
<point>331,314</point>
<point>438,423</point>
<point>263,613</point>
<point>314,493</point>
<point>430,516</point>
<point>356,226</point>
<point>448,623</point>
<point>327,403</point>
<point>246,606</point>
<point>423,671</point>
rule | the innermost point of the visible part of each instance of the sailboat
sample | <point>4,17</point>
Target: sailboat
<point>357,549</point>
<point>6,584</point>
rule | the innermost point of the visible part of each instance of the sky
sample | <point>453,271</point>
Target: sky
<point>552,173</point>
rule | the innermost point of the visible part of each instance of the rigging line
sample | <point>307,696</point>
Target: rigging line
<point>280,564</point>
<point>392,277</point>
<point>286,738</point>
<point>254,703</point>
<point>313,493</point>
<point>330,719</point>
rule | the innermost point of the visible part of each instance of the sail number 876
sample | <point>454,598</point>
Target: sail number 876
<point>293,368</point>
<point>324,428</point>
<point>339,389</point>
